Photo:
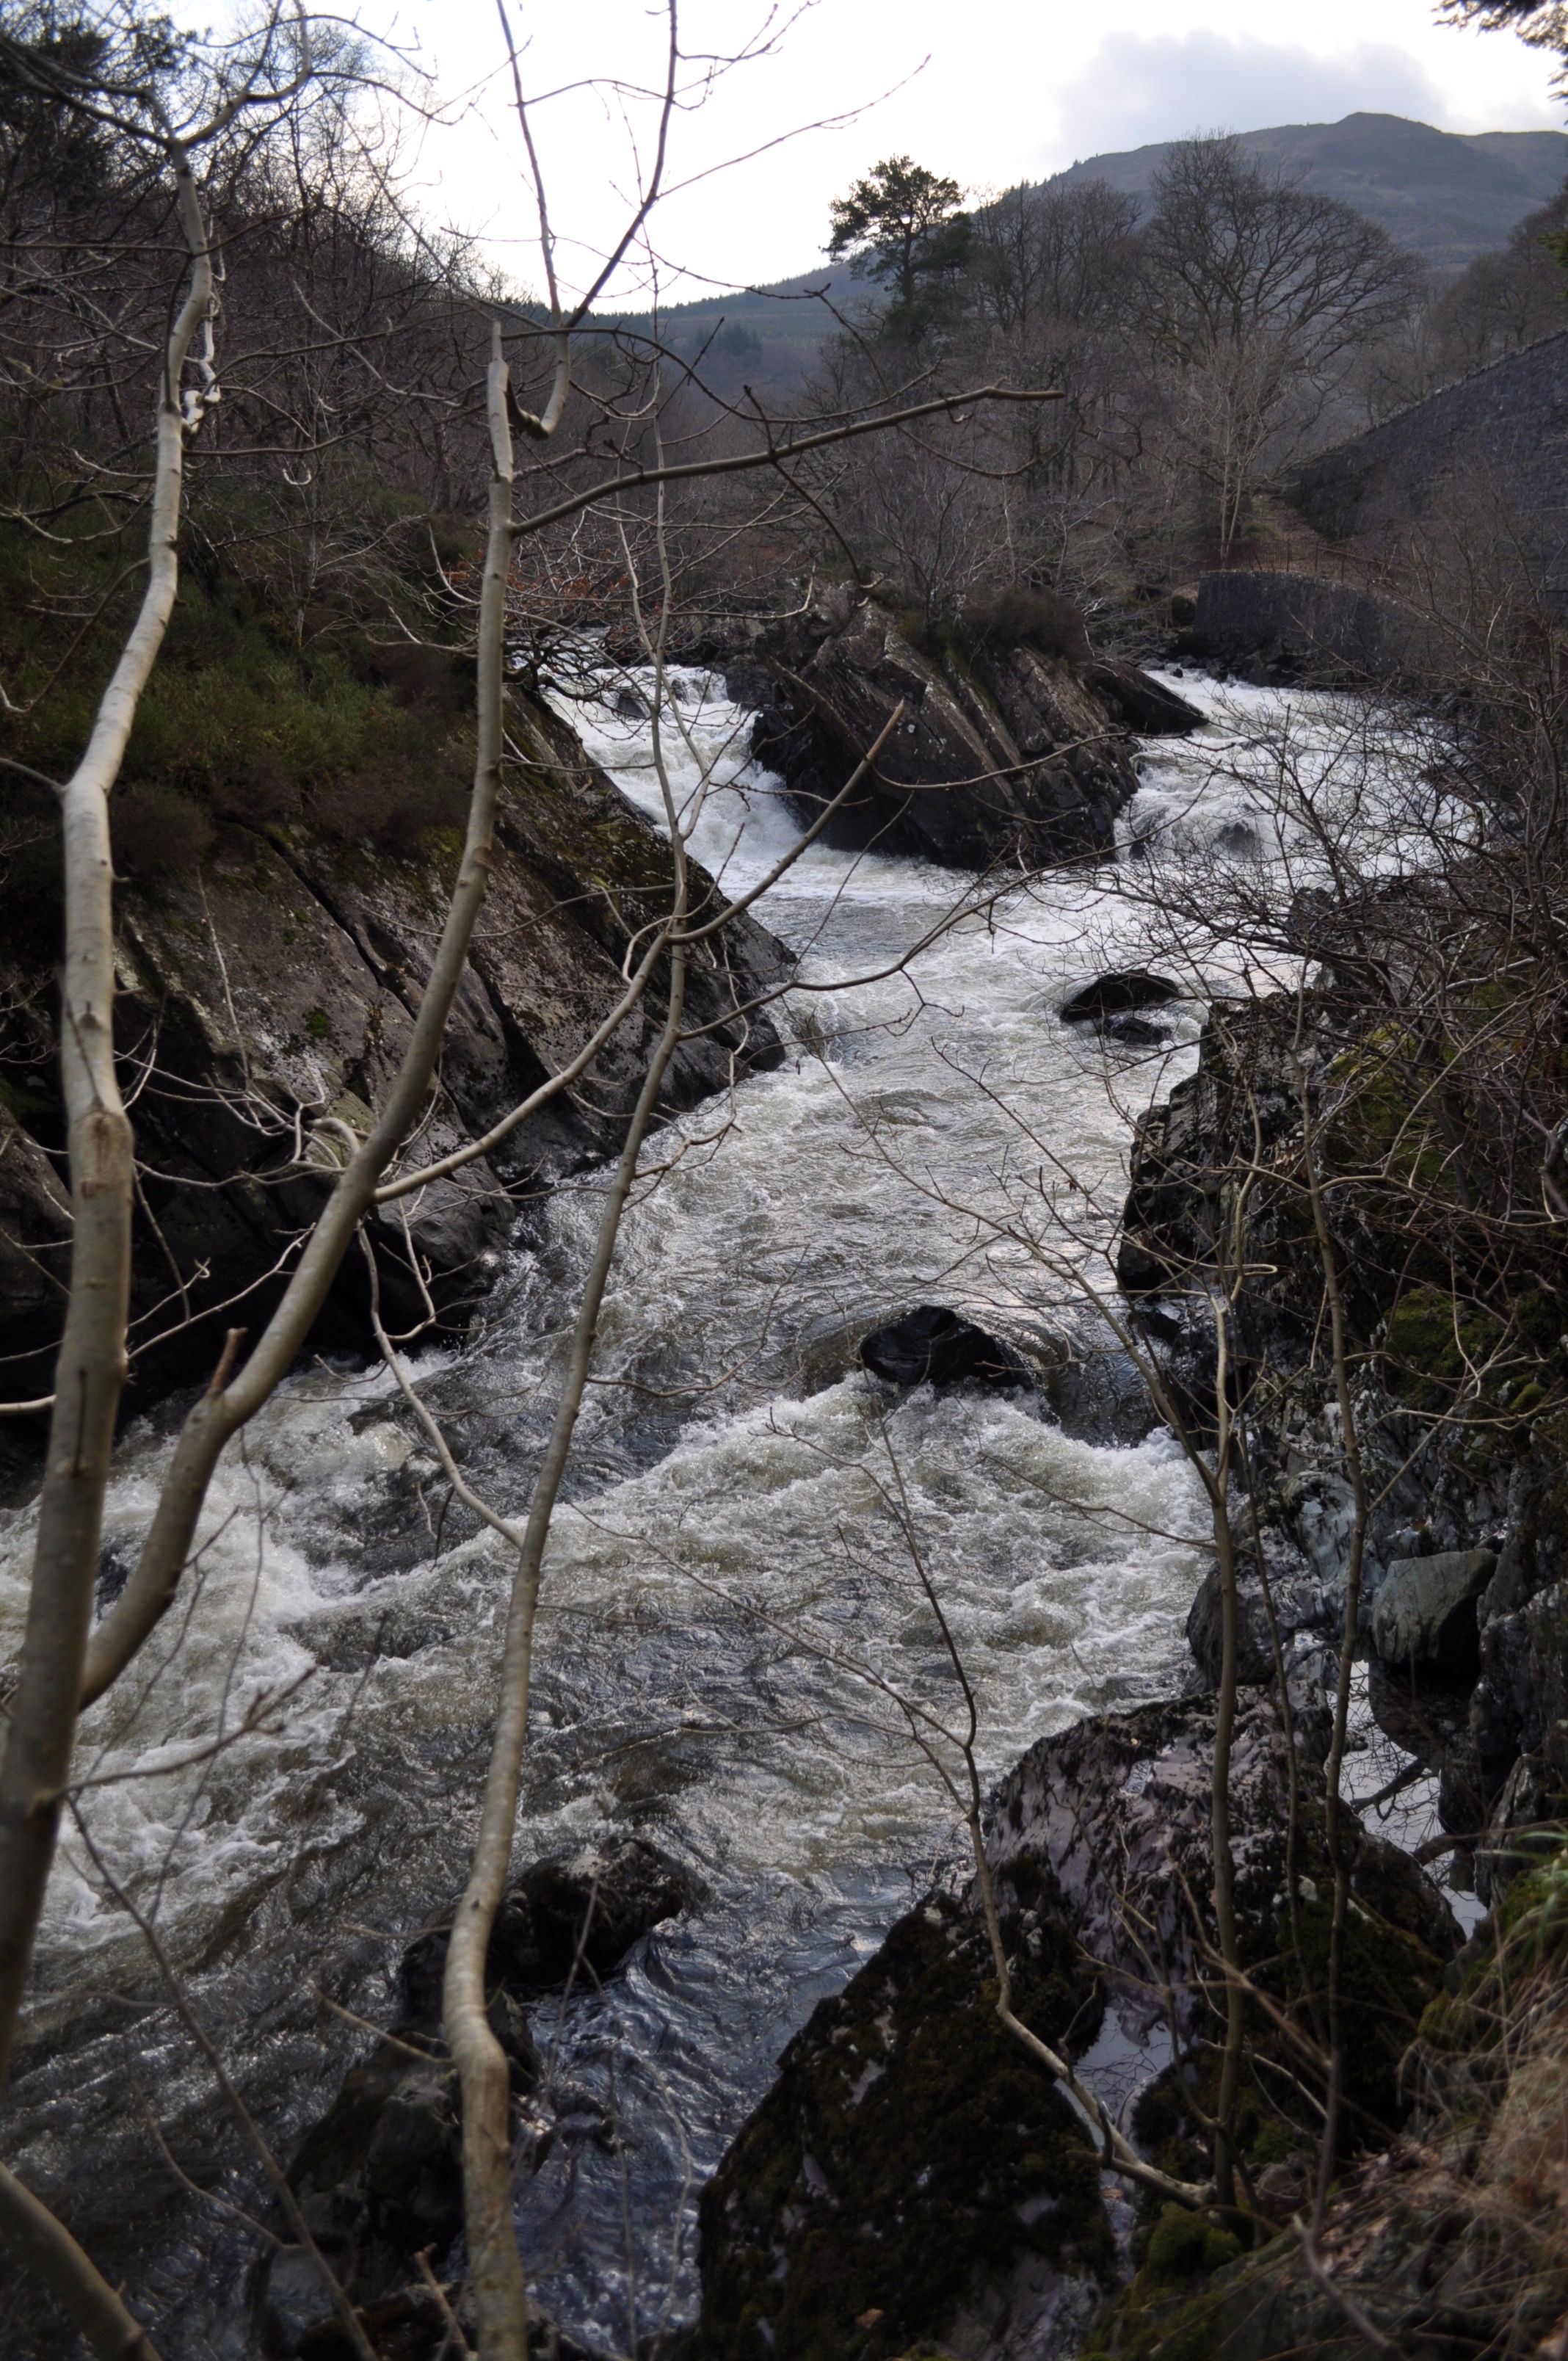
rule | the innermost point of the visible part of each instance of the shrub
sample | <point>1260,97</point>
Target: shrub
<point>1043,619</point>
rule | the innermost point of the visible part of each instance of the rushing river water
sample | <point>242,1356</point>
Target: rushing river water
<point>731,1608</point>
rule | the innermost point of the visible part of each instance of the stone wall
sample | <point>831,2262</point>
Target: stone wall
<point>1311,627</point>
<point>1496,441</point>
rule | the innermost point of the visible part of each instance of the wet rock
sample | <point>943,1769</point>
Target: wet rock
<point>1006,751</point>
<point>350,1636</point>
<point>935,1346</point>
<point>1114,993</point>
<point>1427,1714</point>
<point>1243,1101</point>
<point>1107,1825</point>
<point>116,1563</point>
<point>378,2178</point>
<point>573,1918</point>
<point>1293,1610</point>
<point>1098,1394</point>
<point>912,2175</point>
<point>1135,1033</point>
<point>378,2181</point>
<point>1144,703</point>
<point>1526,1825</point>
<point>585,1913</point>
<point>1205,1630</point>
<point>1520,1705</point>
<point>1283,627</point>
<point>1424,1612</point>
<point>415,2325</point>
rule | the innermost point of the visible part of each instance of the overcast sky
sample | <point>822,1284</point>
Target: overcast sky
<point>991,92</point>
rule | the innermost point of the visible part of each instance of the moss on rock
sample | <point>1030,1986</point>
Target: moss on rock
<point>909,2144</point>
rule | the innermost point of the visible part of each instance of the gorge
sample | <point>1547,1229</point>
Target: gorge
<point>730,1604</point>
<point>783,1136</point>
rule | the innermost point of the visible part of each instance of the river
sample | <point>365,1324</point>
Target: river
<point>730,1606</point>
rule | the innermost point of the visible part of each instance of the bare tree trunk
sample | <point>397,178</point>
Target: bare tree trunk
<point>90,1371</point>
<point>496,2276</point>
<point>500,2295</point>
<point>31,2232</point>
<point>225,1409</point>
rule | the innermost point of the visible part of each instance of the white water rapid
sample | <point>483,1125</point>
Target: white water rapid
<point>733,1549</point>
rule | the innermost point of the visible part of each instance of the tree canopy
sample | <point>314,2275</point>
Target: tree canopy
<point>902,227</point>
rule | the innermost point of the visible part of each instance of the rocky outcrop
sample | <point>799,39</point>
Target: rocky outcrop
<point>1244,1097</point>
<point>1463,1615</point>
<point>913,2180</point>
<point>264,1004</point>
<point>1010,751</point>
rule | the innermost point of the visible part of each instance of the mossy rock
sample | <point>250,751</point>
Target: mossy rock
<point>910,2149</point>
<point>1168,2306</point>
<point>1391,1982</point>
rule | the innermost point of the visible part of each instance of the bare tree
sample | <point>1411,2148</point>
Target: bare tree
<point>165,103</point>
<point>1255,292</point>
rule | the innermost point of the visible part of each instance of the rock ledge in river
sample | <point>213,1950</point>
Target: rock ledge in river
<point>1011,752</point>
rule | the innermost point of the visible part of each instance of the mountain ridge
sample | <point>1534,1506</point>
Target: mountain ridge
<point>1448,195</point>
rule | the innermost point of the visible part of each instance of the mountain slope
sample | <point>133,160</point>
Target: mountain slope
<point>1447,195</point>
<point>1450,196</point>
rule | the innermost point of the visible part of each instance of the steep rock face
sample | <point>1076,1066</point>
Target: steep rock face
<point>1463,1607</point>
<point>264,1005</point>
<point>1006,754</point>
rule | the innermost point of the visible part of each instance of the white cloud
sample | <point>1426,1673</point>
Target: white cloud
<point>1137,89</point>
<point>1011,91</point>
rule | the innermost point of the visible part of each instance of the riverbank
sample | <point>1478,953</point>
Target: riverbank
<point>731,1603</point>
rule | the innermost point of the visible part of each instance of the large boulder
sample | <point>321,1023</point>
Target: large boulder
<point>1108,1827</point>
<point>1013,748</point>
<point>1424,1612</point>
<point>915,2179</point>
<point>1116,994</point>
<point>571,1919</point>
<point>932,1346</point>
<point>912,2174</point>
